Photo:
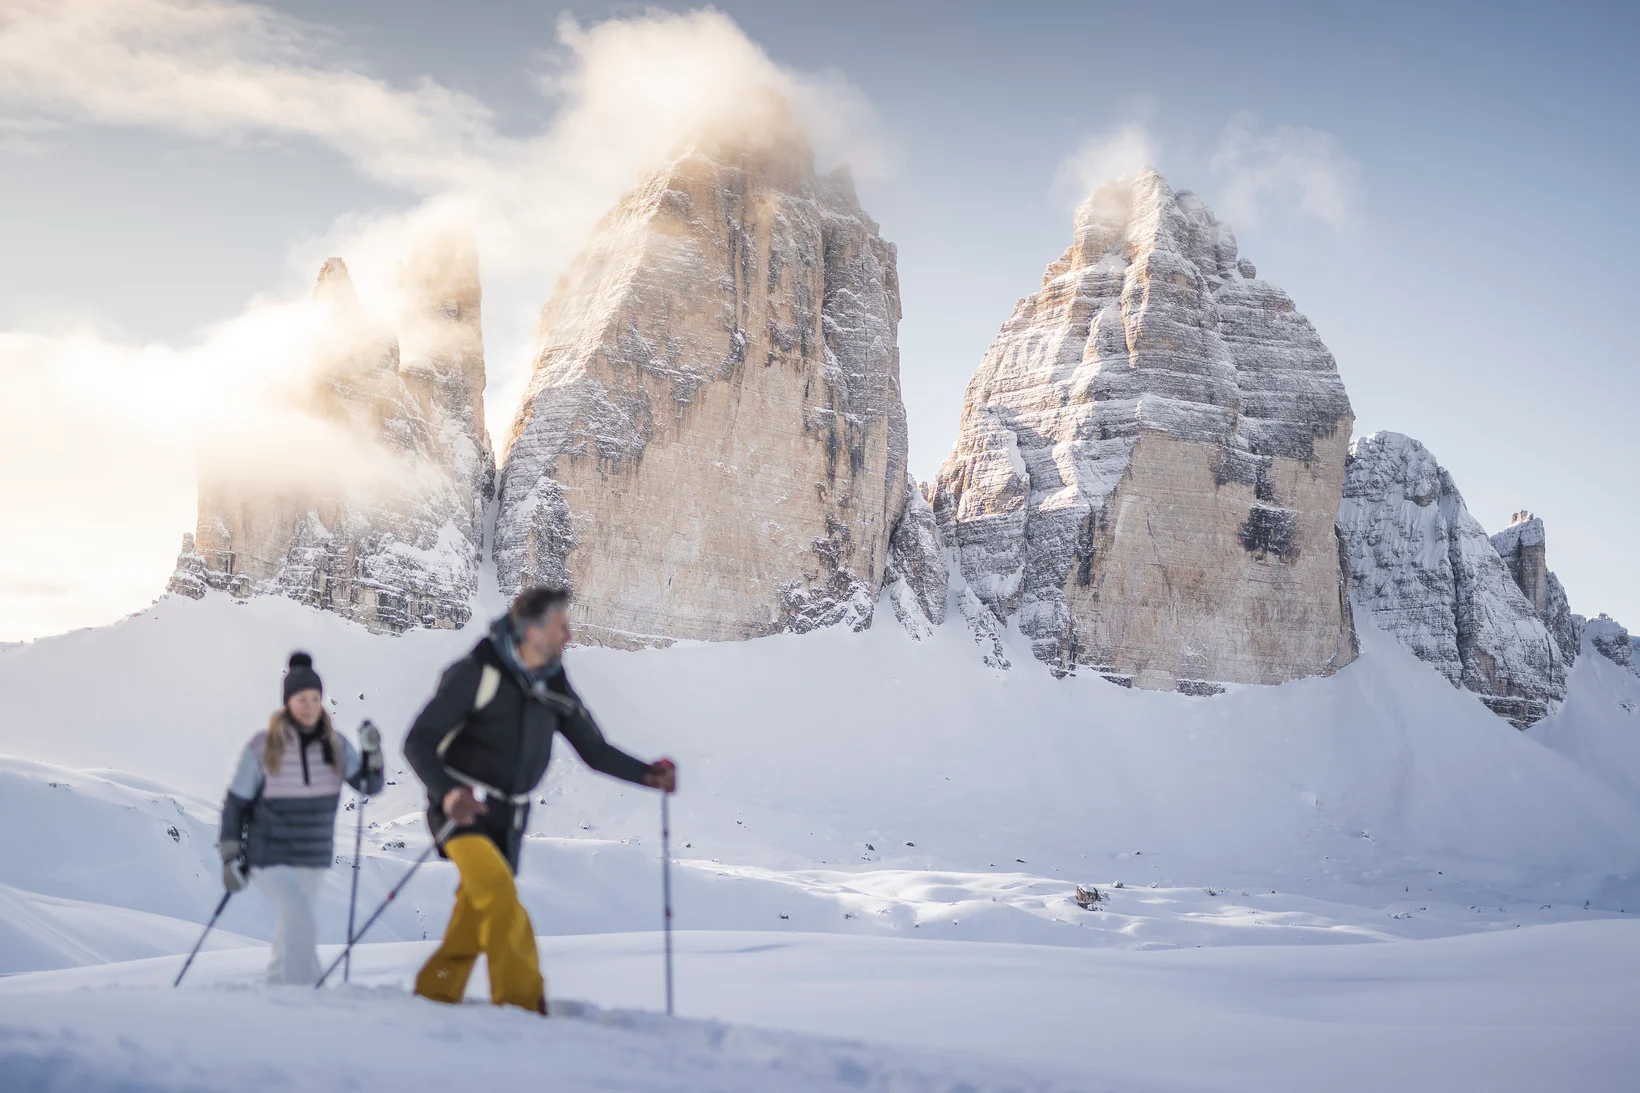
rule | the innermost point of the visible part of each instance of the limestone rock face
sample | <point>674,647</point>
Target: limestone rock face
<point>916,577</point>
<point>1613,642</point>
<point>1150,460</point>
<point>1523,546</point>
<point>391,538</point>
<point>1424,569</point>
<point>712,444</point>
<point>442,362</point>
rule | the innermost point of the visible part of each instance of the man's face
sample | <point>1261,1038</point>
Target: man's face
<point>545,640</point>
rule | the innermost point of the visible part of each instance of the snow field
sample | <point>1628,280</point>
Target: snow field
<point>876,839</point>
<point>1531,1009</point>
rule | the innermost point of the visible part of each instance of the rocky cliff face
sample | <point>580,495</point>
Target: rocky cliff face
<point>1150,461</point>
<point>1613,642</point>
<point>1523,546</point>
<point>916,576</point>
<point>1424,569</point>
<point>712,444</point>
<point>393,538</point>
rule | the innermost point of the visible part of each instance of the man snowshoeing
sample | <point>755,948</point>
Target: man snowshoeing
<point>490,728</point>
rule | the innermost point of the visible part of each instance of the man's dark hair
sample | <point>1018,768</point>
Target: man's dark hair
<point>531,605</point>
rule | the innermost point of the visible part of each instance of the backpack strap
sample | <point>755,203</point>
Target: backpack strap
<point>489,682</point>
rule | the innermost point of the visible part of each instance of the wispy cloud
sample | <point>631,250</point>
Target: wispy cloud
<point>1103,156</point>
<point>1261,171</point>
<point>217,69</point>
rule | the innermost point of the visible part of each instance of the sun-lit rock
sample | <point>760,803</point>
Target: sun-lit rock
<point>1150,460</point>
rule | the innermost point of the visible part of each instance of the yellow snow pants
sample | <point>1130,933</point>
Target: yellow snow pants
<point>487,919</point>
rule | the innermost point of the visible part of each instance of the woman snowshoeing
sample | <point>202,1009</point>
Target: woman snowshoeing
<point>279,819</point>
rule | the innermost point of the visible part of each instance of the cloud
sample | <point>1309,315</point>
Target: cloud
<point>1285,168</point>
<point>1101,157</point>
<point>106,433</point>
<point>216,69</point>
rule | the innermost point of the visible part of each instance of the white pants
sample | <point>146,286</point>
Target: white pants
<point>293,890</point>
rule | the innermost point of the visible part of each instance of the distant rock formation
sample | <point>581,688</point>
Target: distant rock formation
<point>712,444</point>
<point>1613,642</point>
<point>1523,546</point>
<point>1424,569</point>
<point>1150,461</point>
<point>393,538</point>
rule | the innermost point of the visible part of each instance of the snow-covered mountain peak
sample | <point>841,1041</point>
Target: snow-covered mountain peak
<point>392,535</point>
<point>712,444</point>
<point>1150,459</point>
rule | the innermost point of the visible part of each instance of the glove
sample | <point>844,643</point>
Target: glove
<point>370,747</point>
<point>662,775</point>
<point>233,874</point>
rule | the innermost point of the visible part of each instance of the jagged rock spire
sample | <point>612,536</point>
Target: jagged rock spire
<point>393,549</point>
<point>1150,459</point>
<point>712,444</point>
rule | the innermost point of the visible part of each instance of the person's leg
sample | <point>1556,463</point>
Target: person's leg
<point>302,936</point>
<point>504,931</point>
<point>294,924</point>
<point>444,977</point>
<point>265,882</point>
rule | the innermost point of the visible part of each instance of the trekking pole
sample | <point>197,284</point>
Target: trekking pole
<point>666,894</point>
<point>370,740</point>
<point>438,840</point>
<point>353,897</point>
<point>186,964</point>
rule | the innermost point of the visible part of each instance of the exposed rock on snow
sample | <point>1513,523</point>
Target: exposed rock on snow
<point>1612,642</point>
<point>712,445</point>
<point>393,539</point>
<point>1424,569</point>
<point>1523,546</point>
<point>916,577</point>
<point>1150,459</point>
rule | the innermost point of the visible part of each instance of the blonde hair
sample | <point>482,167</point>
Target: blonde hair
<point>274,753</point>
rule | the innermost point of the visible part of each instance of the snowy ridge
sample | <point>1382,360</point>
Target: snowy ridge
<point>1424,569</point>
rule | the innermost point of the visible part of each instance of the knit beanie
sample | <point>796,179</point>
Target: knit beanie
<point>301,676</point>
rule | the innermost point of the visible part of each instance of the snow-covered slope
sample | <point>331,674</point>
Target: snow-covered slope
<point>1519,1011</point>
<point>878,839</point>
<point>935,795</point>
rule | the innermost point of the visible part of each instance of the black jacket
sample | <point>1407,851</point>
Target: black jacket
<point>505,746</point>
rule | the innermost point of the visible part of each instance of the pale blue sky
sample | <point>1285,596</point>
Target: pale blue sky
<point>1463,239</point>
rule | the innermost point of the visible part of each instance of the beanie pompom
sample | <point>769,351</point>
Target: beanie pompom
<point>301,676</point>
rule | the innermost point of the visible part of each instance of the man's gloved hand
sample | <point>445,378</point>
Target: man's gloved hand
<point>463,806</point>
<point>370,747</point>
<point>233,874</point>
<point>662,775</point>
